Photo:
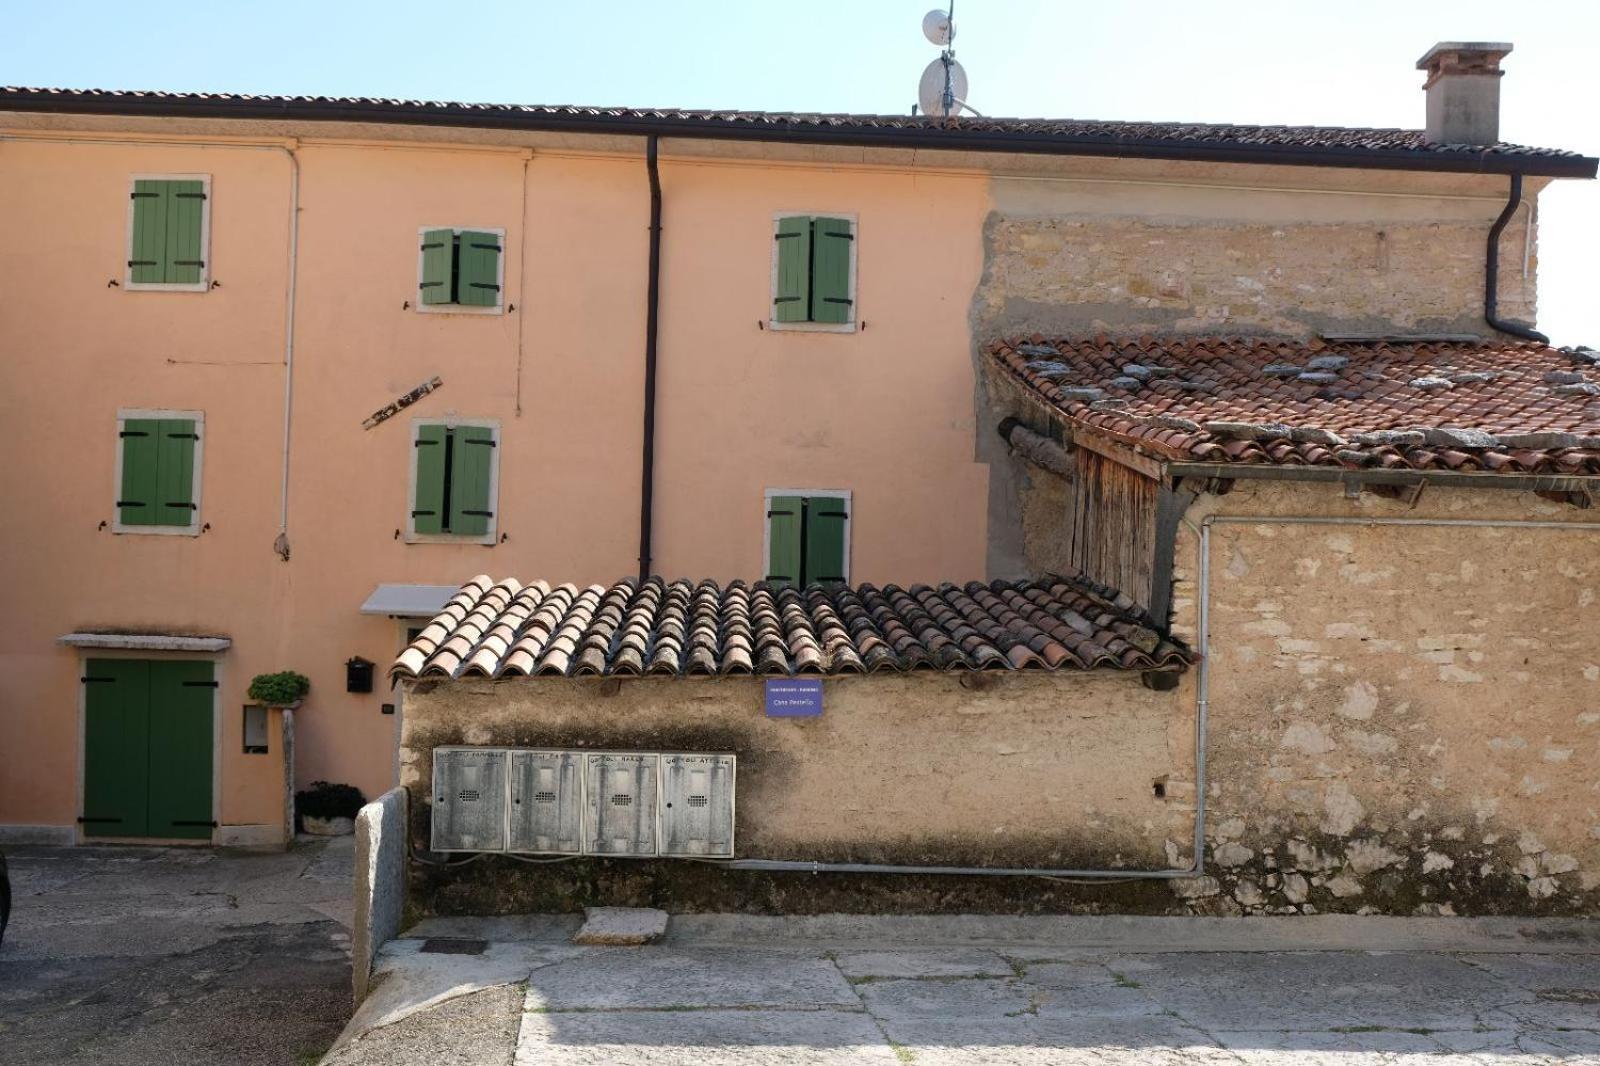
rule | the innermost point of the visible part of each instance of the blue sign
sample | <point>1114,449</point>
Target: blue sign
<point>794,698</point>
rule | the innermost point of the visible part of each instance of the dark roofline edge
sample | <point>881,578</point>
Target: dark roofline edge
<point>1443,479</point>
<point>1484,162</point>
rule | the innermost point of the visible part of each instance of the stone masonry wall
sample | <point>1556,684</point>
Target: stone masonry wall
<point>1403,719</point>
<point>1078,259</point>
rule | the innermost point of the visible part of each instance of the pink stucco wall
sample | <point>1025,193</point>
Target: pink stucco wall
<point>886,412</point>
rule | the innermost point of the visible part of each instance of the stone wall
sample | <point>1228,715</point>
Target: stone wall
<point>1403,718</point>
<point>1080,258</point>
<point>1052,770</point>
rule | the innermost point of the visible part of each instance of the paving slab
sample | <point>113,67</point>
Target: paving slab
<point>1316,991</point>
<point>407,980</point>
<point>1155,1040</point>
<point>1332,1049</point>
<point>621,926</point>
<point>542,927</point>
<point>704,1038</point>
<point>476,1029</point>
<point>952,962</point>
<point>658,976</point>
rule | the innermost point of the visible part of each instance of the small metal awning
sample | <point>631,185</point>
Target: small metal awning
<point>409,601</point>
<point>145,642</point>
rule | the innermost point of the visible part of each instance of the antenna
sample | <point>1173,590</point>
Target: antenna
<point>942,92</point>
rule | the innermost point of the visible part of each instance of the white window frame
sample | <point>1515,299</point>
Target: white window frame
<point>193,528</point>
<point>842,495</point>
<point>204,284</point>
<point>491,537</point>
<point>461,309</point>
<point>855,295</point>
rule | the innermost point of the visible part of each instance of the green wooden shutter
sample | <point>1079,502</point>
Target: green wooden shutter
<point>825,518</point>
<point>180,748</point>
<point>471,471</point>
<point>147,255</point>
<point>139,498</point>
<point>831,240</point>
<point>185,254</point>
<point>175,504</point>
<point>427,514</point>
<point>478,275</point>
<point>438,266</point>
<point>791,300</point>
<point>116,771</point>
<point>783,539</point>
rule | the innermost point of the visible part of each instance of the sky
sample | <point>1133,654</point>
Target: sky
<point>1350,62</point>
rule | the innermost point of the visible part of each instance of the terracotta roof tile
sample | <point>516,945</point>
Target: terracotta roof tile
<point>630,629</point>
<point>1499,407</point>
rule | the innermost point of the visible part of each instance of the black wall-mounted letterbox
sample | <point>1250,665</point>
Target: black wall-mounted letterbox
<point>357,675</point>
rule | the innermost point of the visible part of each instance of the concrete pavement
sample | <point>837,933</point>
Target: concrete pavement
<point>173,956</point>
<point>981,991</point>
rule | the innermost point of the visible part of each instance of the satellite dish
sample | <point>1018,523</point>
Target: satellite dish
<point>930,91</point>
<point>936,27</point>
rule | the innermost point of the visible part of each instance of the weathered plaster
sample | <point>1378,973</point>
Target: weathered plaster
<point>1404,719</point>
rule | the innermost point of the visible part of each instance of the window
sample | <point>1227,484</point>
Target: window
<point>169,229</point>
<point>460,270</point>
<point>158,471</point>
<point>454,481</point>
<point>808,536</point>
<point>814,273</point>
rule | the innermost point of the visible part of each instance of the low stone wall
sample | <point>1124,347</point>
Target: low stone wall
<point>1050,770</point>
<point>380,880</point>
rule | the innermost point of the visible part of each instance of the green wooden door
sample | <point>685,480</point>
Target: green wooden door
<point>180,749</point>
<point>116,736</point>
<point>148,748</point>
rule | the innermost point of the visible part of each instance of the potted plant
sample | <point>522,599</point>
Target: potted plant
<point>283,689</point>
<point>328,810</point>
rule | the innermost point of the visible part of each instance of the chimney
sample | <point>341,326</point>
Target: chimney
<point>1463,90</point>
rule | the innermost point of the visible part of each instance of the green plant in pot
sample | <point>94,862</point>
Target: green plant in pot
<point>283,689</point>
<point>328,810</point>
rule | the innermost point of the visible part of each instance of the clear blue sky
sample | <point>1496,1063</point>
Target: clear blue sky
<point>1289,61</point>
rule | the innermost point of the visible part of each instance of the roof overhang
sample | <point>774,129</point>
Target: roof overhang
<point>408,601</point>
<point>795,130</point>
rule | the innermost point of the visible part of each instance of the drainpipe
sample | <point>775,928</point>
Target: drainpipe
<point>647,482</point>
<point>1491,270</point>
<point>281,544</point>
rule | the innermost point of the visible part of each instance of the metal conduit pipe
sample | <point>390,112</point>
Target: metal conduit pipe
<point>281,543</point>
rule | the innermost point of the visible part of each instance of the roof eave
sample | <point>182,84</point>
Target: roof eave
<point>957,139</point>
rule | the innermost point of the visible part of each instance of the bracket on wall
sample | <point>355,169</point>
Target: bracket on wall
<point>394,407</point>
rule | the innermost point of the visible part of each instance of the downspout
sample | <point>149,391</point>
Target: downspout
<point>647,483</point>
<point>281,544</point>
<point>1491,270</point>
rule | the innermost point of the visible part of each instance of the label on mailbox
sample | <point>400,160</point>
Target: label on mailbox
<point>794,698</point>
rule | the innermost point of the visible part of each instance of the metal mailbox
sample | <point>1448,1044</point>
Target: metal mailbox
<point>469,799</point>
<point>697,805</point>
<point>546,811</point>
<point>620,804</point>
